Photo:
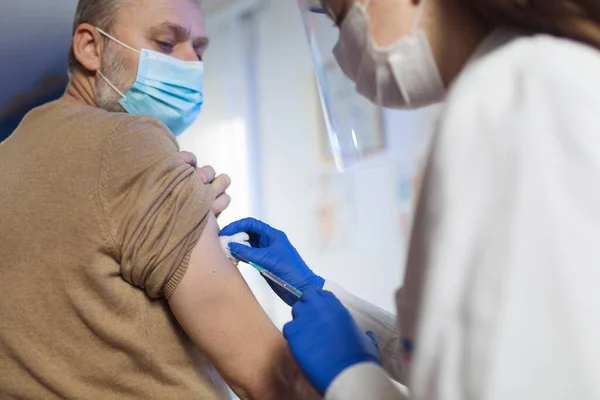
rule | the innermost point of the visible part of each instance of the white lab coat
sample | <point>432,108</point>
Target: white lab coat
<point>502,289</point>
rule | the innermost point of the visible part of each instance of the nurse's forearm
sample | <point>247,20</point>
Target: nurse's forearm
<point>382,323</point>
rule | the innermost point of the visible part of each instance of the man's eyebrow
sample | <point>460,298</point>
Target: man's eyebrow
<point>180,32</point>
<point>170,27</point>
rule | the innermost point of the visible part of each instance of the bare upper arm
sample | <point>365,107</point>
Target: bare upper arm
<point>219,312</point>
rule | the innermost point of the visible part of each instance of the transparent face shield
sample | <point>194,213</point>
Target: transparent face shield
<point>354,125</point>
<point>357,77</point>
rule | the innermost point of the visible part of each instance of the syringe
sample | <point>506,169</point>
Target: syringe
<point>275,279</point>
<point>242,238</point>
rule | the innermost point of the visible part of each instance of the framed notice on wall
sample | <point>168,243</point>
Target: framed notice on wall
<point>350,115</point>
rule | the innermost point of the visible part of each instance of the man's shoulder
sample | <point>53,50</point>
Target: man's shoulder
<point>120,144</point>
<point>115,134</point>
<point>72,111</point>
<point>136,141</point>
<point>87,120</point>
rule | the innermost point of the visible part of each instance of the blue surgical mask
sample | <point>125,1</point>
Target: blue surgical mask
<point>166,88</point>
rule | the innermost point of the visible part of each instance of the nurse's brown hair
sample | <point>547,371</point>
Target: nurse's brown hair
<point>574,19</point>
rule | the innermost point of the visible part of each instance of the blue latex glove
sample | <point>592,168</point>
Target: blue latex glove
<point>272,250</point>
<point>325,339</point>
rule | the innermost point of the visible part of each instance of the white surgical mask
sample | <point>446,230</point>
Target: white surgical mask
<point>403,75</point>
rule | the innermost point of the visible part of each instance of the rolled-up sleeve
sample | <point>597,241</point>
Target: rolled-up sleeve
<point>154,205</point>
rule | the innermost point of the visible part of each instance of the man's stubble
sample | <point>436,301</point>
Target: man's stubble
<point>115,70</point>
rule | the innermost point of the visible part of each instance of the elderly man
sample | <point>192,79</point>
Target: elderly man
<point>114,285</point>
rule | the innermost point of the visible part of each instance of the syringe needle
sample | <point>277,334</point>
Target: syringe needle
<point>278,281</point>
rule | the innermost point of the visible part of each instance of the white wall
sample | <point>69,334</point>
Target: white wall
<point>369,254</point>
<point>224,134</point>
<point>367,250</point>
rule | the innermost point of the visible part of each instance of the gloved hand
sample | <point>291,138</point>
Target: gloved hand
<point>325,339</point>
<point>272,250</point>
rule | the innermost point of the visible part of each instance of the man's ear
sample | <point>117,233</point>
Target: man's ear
<point>87,47</point>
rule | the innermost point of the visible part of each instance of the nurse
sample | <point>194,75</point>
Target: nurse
<point>500,297</point>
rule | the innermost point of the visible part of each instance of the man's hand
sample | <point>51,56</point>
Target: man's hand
<point>219,184</point>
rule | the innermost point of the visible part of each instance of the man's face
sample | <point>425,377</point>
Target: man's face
<point>172,27</point>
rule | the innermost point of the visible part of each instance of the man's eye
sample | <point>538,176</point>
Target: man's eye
<point>165,46</point>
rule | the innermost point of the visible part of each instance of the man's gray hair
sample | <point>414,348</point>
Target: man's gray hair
<point>99,13</point>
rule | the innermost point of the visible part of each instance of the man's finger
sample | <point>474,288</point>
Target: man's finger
<point>189,158</point>
<point>221,204</point>
<point>207,174</point>
<point>220,184</point>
